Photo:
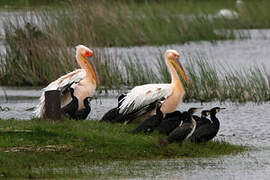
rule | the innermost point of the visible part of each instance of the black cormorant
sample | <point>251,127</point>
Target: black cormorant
<point>72,108</point>
<point>207,131</point>
<point>203,119</point>
<point>171,121</point>
<point>113,115</point>
<point>151,123</point>
<point>83,113</point>
<point>185,130</point>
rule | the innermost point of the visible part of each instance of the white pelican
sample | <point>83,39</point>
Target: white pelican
<point>141,99</point>
<point>83,81</point>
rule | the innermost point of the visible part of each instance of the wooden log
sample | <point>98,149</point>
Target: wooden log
<point>52,105</point>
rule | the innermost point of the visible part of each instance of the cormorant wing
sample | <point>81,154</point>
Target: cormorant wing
<point>180,133</point>
<point>204,132</point>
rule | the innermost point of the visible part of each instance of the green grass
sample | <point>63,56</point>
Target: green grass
<point>78,148</point>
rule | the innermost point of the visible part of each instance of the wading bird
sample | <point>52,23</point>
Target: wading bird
<point>207,131</point>
<point>83,81</point>
<point>140,98</point>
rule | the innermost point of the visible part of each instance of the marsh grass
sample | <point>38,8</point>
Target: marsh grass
<point>38,45</point>
<point>208,82</point>
<point>37,148</point>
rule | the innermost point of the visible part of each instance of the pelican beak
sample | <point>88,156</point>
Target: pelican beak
<point>92,68</point>
<point>180,69</point>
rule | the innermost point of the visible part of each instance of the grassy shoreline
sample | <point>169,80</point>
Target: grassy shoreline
<point>34,148</point>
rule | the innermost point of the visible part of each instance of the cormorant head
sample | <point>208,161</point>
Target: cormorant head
<point>193,110</point>
<point>216,109</point>
<point>71,90</point>
<point>88,99</point>
<point>160,102</point>
<point>121,97</point>
<point>205,113</point>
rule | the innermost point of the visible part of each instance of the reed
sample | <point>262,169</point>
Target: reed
<point>38,46</point>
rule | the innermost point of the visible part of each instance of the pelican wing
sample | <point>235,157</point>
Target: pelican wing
<point>65,80</point>
<point>62,83</point>
<point>141,96</point>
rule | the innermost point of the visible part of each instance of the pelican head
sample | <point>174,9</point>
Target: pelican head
<point>86,55</point>
<point>173,57</point>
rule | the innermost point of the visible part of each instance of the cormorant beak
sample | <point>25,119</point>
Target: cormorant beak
<point>92,68</point>
<point>180,69</point>
<point>222,108</point>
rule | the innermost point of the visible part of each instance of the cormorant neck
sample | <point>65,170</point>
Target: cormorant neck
<point>190,118</point>
<point>159,112</point>
<point>214,118</point>
<point>72,94</point>
<point>86,103</point>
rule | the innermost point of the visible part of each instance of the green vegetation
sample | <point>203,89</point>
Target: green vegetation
<point>207,82</point>
<point>38,54</point>
<point>43,149</point>
<point>127,23</point>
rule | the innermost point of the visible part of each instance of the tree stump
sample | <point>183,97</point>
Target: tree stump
<point>52,105</point>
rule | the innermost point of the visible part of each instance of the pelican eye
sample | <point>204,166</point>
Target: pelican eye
<point>175,55</point>
<point>88,54</point>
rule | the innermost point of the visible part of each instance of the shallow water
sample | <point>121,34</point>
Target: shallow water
<point>235,53</point>
<point>246,124</point>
